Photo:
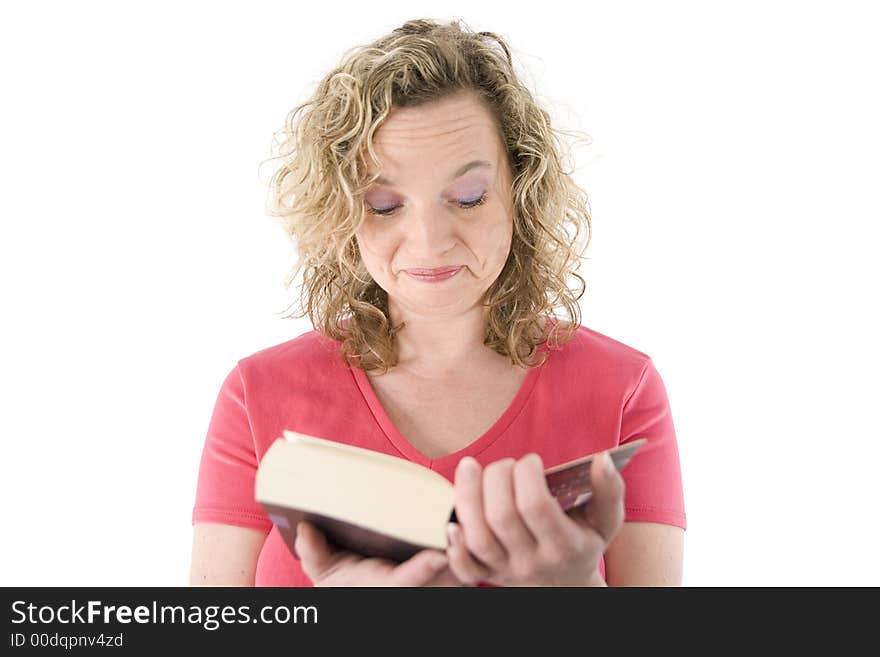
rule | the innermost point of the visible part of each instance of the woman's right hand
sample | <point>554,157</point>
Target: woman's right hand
<point>326,565</point>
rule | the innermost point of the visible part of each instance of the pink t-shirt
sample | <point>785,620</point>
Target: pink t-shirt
<point>591,394</point>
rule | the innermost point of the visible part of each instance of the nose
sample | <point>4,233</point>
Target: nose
<point>429,234</point>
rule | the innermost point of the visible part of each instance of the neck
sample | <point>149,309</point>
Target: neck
<point>437,345</point>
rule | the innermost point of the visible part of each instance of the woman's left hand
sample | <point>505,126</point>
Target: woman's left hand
<point>512,532</point>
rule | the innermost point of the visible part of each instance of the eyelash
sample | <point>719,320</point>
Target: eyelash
<point>470,205</point>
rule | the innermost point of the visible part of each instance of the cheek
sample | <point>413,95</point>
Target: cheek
<point>367,240</point>
<point>374,247</point>
<point>495,242</point>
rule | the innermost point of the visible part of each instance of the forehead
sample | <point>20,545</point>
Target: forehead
<point>439,129</point>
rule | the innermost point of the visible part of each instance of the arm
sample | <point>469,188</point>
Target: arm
<point>645,554</point>
<point>224,555</point>
<point>649,549</point>
<point>229,526</point>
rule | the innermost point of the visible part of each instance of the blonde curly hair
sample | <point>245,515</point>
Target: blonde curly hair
<point>317,193</point>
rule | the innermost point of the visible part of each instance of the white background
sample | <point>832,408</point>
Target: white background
<point>733,178</point>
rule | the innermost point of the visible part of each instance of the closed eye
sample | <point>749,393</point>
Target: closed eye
<point>464,205</point>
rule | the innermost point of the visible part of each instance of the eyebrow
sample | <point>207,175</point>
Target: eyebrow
<point>475,164</point>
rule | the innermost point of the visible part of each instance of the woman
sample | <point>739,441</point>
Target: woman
<point>424,189</point>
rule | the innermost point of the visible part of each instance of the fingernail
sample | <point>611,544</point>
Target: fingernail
<point>438,561</point>
<point>609,463</point>
<point>536,460</point>
<point>452,533</point>
<point>296,538</point>
<point>467,467</point>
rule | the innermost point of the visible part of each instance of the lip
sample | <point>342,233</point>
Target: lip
<point>432,272</point>
<point>436,276</point>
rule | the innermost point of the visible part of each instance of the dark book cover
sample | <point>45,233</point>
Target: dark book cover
<point>342,534</point>
<point>570,482</point>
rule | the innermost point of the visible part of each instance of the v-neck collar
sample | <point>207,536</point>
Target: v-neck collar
<point>474,447</point>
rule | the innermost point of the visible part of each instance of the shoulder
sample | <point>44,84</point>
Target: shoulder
<point>307,354</point>
<point>597,356</point>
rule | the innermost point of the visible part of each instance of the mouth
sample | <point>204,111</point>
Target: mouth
<point>434,275</point>
<point>415,271</point>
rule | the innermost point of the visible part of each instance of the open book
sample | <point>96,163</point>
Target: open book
<point>380,505</point>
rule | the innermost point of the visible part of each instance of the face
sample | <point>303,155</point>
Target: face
<point>444,201</point>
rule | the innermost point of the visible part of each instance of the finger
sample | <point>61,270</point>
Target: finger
<point>605,513</point>
<point>478,537</point>
<point>462,563</point>
<point>419,569</point>
<point>501,511</point>
<point>315,553</point>
<point>445,578</point>
<point>555,532</point>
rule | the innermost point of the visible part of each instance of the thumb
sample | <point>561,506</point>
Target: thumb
<point>605,513</point>
<point>419,569</point>
<point>315,553</point>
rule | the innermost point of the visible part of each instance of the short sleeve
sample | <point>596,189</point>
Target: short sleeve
<point>225,489</point>
<point>653,477</point>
